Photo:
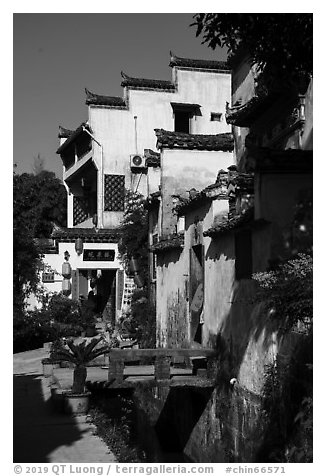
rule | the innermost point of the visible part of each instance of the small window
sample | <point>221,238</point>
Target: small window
<point>183,114</point>
<point>182,121</point>
<point>216,116</point>
<point>243,255</point>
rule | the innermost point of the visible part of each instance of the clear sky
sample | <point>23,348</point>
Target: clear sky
<point>57,55</point>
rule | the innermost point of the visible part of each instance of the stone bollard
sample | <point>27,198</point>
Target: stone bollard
<point>116,368</point>
<point>162,367</point>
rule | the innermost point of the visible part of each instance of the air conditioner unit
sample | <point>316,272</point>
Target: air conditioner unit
<point>137,161</point>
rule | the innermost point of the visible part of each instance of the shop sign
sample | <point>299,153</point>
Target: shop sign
<point>98,255</point>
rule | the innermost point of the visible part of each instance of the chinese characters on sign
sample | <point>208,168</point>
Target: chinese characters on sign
<point>98,255</point>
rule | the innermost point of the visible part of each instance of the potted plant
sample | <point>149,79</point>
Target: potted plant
<point>79,354</point>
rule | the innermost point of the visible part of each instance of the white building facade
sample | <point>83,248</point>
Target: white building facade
<point>113,151</point>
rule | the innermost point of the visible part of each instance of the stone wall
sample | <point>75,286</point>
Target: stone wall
<point>206,425</point>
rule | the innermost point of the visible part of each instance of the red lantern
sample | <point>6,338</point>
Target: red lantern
<point>79,246</point>
<point>66,286</point>
<point>66,270</point>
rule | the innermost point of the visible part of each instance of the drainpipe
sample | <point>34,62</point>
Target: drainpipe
<point>100,182</point>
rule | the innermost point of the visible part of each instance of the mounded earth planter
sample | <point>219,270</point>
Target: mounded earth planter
<point>76,403</point>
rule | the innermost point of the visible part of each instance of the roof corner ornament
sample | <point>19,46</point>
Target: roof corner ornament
<point>89,95</point>
<point>124,75</point>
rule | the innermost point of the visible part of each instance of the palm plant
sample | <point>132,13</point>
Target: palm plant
<point>79,354</point>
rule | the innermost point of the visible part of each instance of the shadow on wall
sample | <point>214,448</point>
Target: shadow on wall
<point>168,257</point>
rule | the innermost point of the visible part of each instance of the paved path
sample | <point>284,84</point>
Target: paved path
<point>40,434</point>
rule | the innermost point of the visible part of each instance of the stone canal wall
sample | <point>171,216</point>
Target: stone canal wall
<point>206,425</point>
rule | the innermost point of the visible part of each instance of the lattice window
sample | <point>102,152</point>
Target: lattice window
<point>114,193</point>
<point>80,212</point>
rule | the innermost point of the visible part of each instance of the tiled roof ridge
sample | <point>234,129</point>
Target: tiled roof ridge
<point>64,133</point>
<point>175,240</point>
<point>243,115</point>
<point>102,100</point>
<point>86,233</point>
<point>242,182</point>
<point>171,139</point>
<point>198,63</point>
<point>151,153</point>
<point>187,204</point>
<point>73,136</point>
<point>153,159</point>
<point>132,82</point>
<point>244,217</point>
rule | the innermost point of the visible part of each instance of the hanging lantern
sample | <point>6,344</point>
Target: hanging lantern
<point>66,286</point>
<point>134,265</point>
<point>79,245</point>
<point>66,270</point>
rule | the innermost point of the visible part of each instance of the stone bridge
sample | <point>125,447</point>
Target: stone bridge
<point>202,362</point>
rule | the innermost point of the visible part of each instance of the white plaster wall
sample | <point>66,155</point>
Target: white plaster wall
<point>171,299</point>
<point>115,129</point>
<point>121,136</point>
<point>153,179</point>
<point>211,91</point>
<point>185,169</point>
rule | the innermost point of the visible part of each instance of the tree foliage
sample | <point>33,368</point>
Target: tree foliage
<point>79,354</point>
<point>288,407</point>
<point>287,292</point>
<point>59,316</point>
<point>281,44</point>
<point>139,322</point>
<point>134,227</point>
<point>38,202</point>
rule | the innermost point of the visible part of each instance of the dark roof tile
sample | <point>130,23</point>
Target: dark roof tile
<point>246,218</point>
<point>153,159</point>
<point>245,114</point>
<point>64,133</point>
<point>100,100</point>
<point>143,83</point>
<point>175,241</point>
<point>181,140</point>
<point>221,66</point>
<point>87,234</point>
<point>73,136</point>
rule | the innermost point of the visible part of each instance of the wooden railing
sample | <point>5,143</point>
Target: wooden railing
<point>161,358</point>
